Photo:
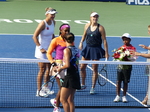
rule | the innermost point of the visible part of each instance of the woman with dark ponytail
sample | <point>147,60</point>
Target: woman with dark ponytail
<point>72,78</point>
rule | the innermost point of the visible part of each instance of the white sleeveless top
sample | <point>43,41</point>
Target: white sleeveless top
<point>45,38</point>
<point>148,59</point>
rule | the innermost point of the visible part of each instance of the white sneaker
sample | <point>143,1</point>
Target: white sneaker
<point>47,91</point>
<point>83,87</point>
<point>117,99</point>
<point>57,109</point>
<point>53,102</point>
<point>124,99</point>
<point>92,91</point>
<point>41,93</point>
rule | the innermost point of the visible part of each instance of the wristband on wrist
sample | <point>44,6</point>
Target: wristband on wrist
<point>54,64</point>
<point>40,47</point>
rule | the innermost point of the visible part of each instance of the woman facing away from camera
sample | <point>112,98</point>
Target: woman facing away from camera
<point>42,38</point>
<point>94,34</point>
<point>72,78</point>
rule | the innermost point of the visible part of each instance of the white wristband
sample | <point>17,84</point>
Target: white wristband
<point>40,47</point>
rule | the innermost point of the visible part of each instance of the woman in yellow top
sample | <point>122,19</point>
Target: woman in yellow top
<point>58,45</point>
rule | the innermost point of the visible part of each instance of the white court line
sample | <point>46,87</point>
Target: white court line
<point>121,88</point>
<point>79,35</point>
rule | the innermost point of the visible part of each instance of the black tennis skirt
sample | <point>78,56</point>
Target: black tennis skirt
<point>72,82</point>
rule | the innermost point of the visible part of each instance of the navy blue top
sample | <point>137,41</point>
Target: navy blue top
<point>93,39</point>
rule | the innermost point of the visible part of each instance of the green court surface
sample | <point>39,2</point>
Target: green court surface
<point>21,16</point>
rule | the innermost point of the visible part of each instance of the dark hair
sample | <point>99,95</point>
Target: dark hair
<point>61,26</point>
<point>70,37</point>
<point>126,37</point>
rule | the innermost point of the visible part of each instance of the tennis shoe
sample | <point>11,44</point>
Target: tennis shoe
<point>92,91</point>
<point>47,91</point>
<point>83,87</point>
<point>41,93</point>
<point>57,109</point>
<point>124,99</point>
<point>117,99</point>
<point>53,102</point>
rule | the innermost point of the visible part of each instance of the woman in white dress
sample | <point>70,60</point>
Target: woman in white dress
<point>42,37</point>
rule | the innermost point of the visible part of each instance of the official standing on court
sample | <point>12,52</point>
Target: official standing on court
<point>94,34</point>
<point>42,38</point>
<point>148,60</point>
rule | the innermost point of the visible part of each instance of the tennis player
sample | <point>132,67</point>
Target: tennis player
<point>42,38</point>
<point>94,34</point>
<point>58,45</point>
<point>148,60</point>
<point>124,71</point>
<point>72,78</point>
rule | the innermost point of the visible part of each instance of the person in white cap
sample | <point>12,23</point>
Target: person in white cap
<point>94,34</point>
<point>42,38</point>
<point>124,71</point>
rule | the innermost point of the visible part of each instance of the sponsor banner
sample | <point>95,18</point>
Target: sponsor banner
<point>104,0</point>
<point>99,0</point>
<point>138,2</point>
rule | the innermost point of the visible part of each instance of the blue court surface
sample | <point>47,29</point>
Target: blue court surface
<point>22,46</point>
<point>76,110</point>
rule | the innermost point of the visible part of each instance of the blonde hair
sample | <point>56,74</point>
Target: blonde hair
<point>90,19</point>
<point>48,8</point>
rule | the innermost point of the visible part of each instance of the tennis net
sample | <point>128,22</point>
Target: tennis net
<point>18,85</point>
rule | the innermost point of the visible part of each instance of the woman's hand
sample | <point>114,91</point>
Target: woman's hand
<point>43,51</point>
<point>80,45</point>
<point>143,46</point>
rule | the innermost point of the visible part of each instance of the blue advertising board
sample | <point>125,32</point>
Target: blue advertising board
<point>99,0</point>
<point>138,2</point>
<point>105,0</point>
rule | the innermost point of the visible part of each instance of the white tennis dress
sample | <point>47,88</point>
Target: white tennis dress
<point>45,38</point>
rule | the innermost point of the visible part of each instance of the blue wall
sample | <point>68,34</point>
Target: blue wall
<point>99,0</point>
<point>106,0</point>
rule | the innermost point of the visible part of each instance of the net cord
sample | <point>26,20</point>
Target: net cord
<point>114,62</point>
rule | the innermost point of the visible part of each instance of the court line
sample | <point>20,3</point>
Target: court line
<point>79,35</point>
<point>121,88</point>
